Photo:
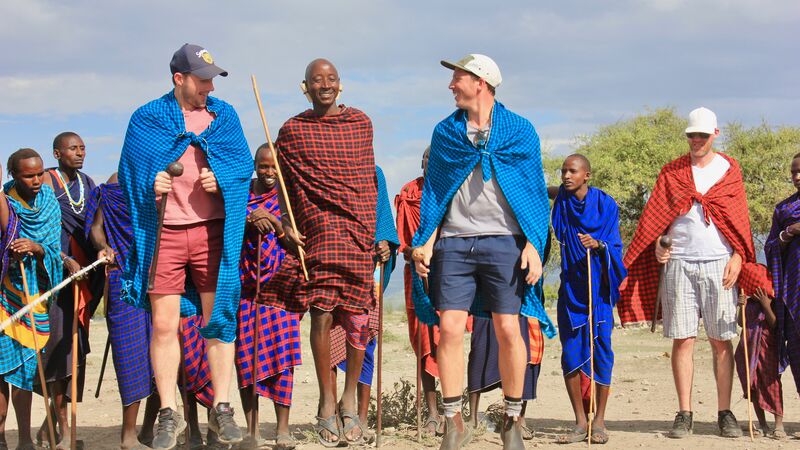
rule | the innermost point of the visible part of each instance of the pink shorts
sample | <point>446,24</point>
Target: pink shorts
<point>356,327</point>
<point>195,248</point>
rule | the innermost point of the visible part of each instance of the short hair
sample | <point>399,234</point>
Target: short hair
<point>261,148</point>
<point>61,136</point>
<point>796,156</point>
<point>17,156</point>
<point>491,88</point>
<point>583,159</point>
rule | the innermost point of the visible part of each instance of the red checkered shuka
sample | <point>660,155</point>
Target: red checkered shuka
<point>339,336</point>
<point>407,205</point>
<point>329,169</point>
<point>673,195</point>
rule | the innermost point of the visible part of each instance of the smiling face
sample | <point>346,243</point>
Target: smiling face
<point>465,87</point>
<point>70,153</point>
<point>322,83</point>
<point>191,91</point>
<point>28,177</point>
<point>266,172</point>
<point>701,145</point>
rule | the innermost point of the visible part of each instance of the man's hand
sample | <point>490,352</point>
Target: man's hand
<point>763,297</point>
<point>264,222</point>
<point>23,247</point>
<point>106,252</point>
<point>382,251</point>
<point>293,241</point>
<point>532,262</point>
<point>209,181</point>
<point>793,229</point>
<point>163,184</point>
<point>71,265</point>
<point>588,241</point>
<point>662,253</point>
<point>422,259</point>
<point>731,273</point>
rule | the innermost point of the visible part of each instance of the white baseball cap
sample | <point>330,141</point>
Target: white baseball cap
<point>479,65</point>
<point>702,120</point>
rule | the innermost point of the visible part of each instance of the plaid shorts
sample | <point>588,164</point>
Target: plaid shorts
<point>693,289</point>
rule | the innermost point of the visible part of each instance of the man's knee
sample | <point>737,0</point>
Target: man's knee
<point>451,334</point>
<point>508,331</point>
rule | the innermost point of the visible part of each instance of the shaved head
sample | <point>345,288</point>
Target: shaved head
<point>583,160</point>
<point>319,62</point>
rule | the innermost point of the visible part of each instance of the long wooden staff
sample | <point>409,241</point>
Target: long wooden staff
<point>256,328</point>
<point>379,411</point>
<point>591,345</point>
<point>284,193</point>
<point>50,428</point>
<point>419,380</point>
<point>108,339</point>
<point>747,366</point>
<point>73,429</point>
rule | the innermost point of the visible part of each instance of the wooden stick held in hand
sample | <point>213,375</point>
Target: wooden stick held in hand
<point>665,242</point>
<point>300,252</point>
<point>73,429</point>
<point>591,345</point>
<point>747,365</point>
<point>175,169</point>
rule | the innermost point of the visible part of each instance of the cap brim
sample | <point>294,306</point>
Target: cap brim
<point>208,72</point>
<point>453,66</point>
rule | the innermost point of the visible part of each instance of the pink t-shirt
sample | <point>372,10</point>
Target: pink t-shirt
<point>188,203</point>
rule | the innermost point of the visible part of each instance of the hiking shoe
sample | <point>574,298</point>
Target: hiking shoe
<point>682,426</point>
<point>454,439</point>
<point>220,421</point>
<point>511,433</point>
<point>170,426</point>
<point>728,427</point>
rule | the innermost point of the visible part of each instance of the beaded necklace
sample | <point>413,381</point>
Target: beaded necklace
<point>81,203</point>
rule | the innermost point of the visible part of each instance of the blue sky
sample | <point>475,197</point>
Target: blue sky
<point>569,66</point>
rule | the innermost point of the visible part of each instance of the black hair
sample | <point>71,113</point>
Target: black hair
<point>796,156</point>
<point>61,136</point>
<point>262,147</point>
<point>17,156</point>
<point>583,159</point>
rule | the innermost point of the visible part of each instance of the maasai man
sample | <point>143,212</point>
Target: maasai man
<point>406,204</point>
<point>202,230</point>
<point>386,244</point>
<point>700,203</point>
<point>108,226</point>
<point>586,224</point>
<point>278,337</point>
<point>782,250</point>
<point>72,187</point>
<point>326,156</point>
<point>765,358</point>
<point>485,198</point>
<point>30,235</point>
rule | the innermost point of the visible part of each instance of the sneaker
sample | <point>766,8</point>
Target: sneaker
<point>728,427</point>
<point>170,425</point>
<point>220,421</point>
<point>682,426</point>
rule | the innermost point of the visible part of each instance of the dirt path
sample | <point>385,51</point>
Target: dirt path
<point>640,411</point>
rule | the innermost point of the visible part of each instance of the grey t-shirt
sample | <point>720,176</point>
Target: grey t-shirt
<point>478,208</point>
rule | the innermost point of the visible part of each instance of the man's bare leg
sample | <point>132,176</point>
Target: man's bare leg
<point>21,399</point>
<point>474,404</point>
<point>220,355</point>
<point>450,357</point>
<point>150,414</point>
<point>321,322</point>
<point>165,351</point>
<point>722,352</point>
<point>572,381</point>
<point>355,360</point>
<point>513,357</point>
<point>4,402</point>
<point>683,371</point>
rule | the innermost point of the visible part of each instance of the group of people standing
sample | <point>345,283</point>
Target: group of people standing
<point>210,269</point>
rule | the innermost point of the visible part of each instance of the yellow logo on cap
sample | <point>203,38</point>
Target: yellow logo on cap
<point>206,56</point>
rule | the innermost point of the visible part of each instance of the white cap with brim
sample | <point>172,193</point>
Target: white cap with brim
<point>702,120</point>
<point>479,65</point>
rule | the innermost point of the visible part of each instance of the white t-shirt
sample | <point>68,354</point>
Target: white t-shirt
<point>692,240</point>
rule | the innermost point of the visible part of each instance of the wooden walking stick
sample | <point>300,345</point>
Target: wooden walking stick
<point>108,339</point>
<point>50,428</point>
<point>175,169</point>
<point>665,242</point>
<point>256,329</point>
<point>284,193</point>
<point>379,409</point>
<point>747,365</point>
<point>73,429</point>
<point>591,346</point>
<point>419,381</point>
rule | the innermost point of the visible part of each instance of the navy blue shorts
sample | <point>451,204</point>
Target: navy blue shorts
<point>486,265</point>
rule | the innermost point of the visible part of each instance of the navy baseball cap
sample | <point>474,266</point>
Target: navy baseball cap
<point>194,59</point>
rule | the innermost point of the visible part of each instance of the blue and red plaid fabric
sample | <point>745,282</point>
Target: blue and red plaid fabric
<point>196,371</point>
<point>279,331</point>
<point>329,169</point>
<point>673,195</point>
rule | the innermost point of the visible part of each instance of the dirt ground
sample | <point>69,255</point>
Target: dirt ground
<point>640,411</point>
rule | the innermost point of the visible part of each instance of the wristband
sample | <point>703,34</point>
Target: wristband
<point>780,236</point>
